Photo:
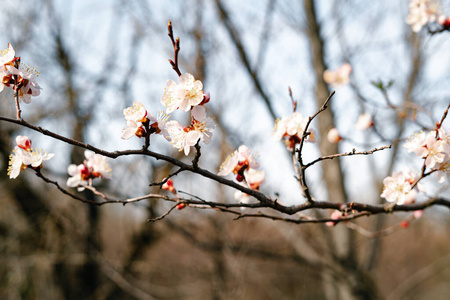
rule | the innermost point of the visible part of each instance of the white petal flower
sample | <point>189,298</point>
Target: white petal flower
<point>136,113</point>
<point>280,128</point>
<point>416,143</point>
<point>35,157</point>
<point>16,163</point>
<point>442,173</point>
<point>398,187</point>
<point>254,178</point>
<point>3,73</point>
<point>291,129</point>
<point>23,142</point>
<point>6,58</point>
<point>81,177</point>
<point>184,95</point>
<point>241,159</point>
<point>27,76</point>
<point>7,55</point>
<point>182,138</point>
<point>198,113</point>
<point>229,164</point>
<point>422,12</point>
<point>98,164</point>
<point>133,129</point>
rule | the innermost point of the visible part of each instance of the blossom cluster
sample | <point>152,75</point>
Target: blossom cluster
<point>291,129</point>
<point>398,188</point>
<point>434,148</point>
<point>24,156</point>
<point>21,77</point>
<point>94,166</point>
<point>243,164</point>
<point>422,12</point>
<point>187,96</point>
<point>141,124</point>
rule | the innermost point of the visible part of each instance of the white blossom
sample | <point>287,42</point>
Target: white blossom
<point>397,188</point>
<point>35,157</point>
<point>422,12</point>
<point>243,157</point>
<point>98,164</point>
<point>27,77</point>
<point>184,95</point>
<point>16,163</point>
<point>291,129</point>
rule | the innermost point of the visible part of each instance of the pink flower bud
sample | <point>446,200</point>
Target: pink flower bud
<point>181,206</point>
<point>169,186</point>
<point>206,98</point>
<point>23,142</point>
<point>335,215</point>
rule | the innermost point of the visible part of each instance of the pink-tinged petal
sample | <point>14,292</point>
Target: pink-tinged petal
<point>207,137</point>
<point>73,181</point>
<point>72,170</point>
<point>47,156</point>
<point>198,113</point>
<point>89,154</point>
<point>128,133</point>
<point>26,98</point>
<point>7,55</point>
<point>192,137</point>
<point>23,142</point>
<point>185,78</point>
<point>184,105</point>
<point>198,85</point>
<point>13,70</point>
<point>228,165</point>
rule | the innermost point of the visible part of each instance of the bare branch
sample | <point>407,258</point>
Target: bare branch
<point>351,153</point>
<point>176,48</point>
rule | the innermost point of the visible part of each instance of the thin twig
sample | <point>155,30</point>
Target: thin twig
<point>302,178</point>
<point>176,48</point>
<point>164,215</point>
<point>385,232</point>
<point>438,125</point>
<point>165,179</point>
<point>351,153</point>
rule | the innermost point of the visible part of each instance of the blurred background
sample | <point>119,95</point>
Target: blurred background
<point>97,57</point>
